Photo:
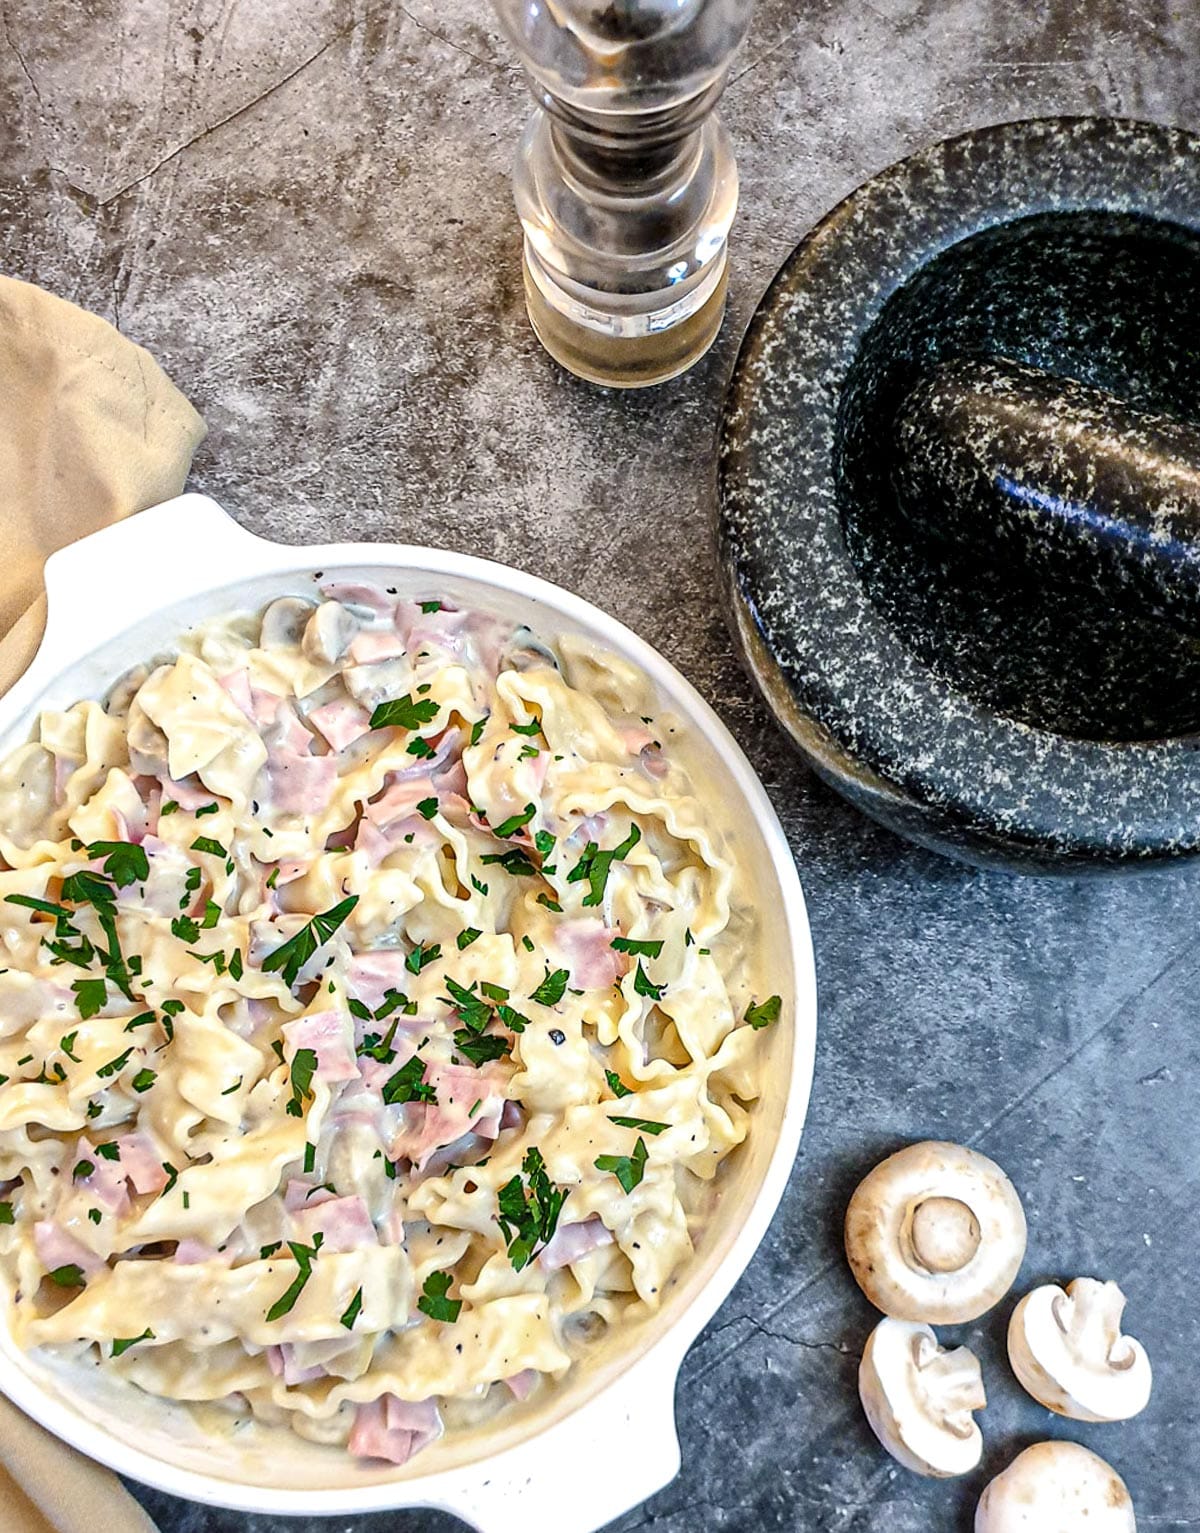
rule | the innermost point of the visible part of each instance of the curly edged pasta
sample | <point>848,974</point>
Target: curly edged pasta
<point>373,1017</point>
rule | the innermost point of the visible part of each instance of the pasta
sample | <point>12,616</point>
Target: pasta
<point>374,1017</point>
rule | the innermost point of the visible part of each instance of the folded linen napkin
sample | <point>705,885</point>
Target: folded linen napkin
<point>91,430</point>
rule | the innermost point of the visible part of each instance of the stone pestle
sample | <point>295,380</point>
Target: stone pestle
<point>1012,463</point>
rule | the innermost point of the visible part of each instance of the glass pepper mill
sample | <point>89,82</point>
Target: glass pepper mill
<point>625,181</point>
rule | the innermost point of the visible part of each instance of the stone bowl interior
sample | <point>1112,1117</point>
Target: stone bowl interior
<point>1112,300</point>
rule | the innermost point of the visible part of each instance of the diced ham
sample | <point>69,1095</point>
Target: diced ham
<point>295,784</point>
<point>469,1101</point>
<point>237,684</point>
<point>393,1429</point>
<point>105,1184</point>
<point>282,1363</point>
<point>298,1195</point>
<point>444,630</point>
<point>654,763</point>
<point>341,722</point>
<point>378,645</point>
<point>184,794</point>
<point>56,1248</point>
<point>344,1222</point>
<point>585,947</point>
<point>399,800</point>
<point>453,779</point>
<point>372,843</point>
<point>522,1383</point>
<point>190,1253</point>
<point>140,1163</point>
<point>326,1034</point>
<point>571,1242</point>
<point>370,976</point>
<point>352,593</point>
<point>286,730</point>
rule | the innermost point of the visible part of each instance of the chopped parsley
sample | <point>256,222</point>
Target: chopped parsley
<point>544,842</point>
<point>465,938</point>
<point>404,713</point>
<point>427,808</point>
<point>185,928</point>
<point>212,913</point>
<point>528,1213</point>
<point>515,862</point>
<point>90,996</point>
<point>765,1012</point>
<point>68,1276</point>
<point>479,1050</point>
<point>110,1149</point>
<point>409,1084</point>
<point>515,822</point>
<point>644,985</point>
<point>550,904</point>
<point>420,957</point>
<point>360,1010</point>
<point>552,988</point>
<point>67,1044</point>
<point>643,949</point>
<point>115,1066</point>
<point>477,729</point>
<point>353,1309</point>
<point>420,747</point>
<point>143,1080</point>
<point>291,956</point>
<point>595,866</point>
<point>480,888</point>
<point>6,1213</point>
<point>534,727</point>
<point>124,862</point>
<point>304,1067</point>
<point>123,1343</point>
<point>430,606</point>
<point>207,844</point>
<point>143,1019</point>
<point>304,1257</point>
<point>473,1009</point>
<point>82,1168</point>
<point>512,1019</point>
<point>310,1158</point>
<point>206,809</point>
<point>229,1090</point>
<point>616,1085</point>
<point>646,1125</point>
<point>168,806</point>
<point>628,1169</point>
<point>433,1301</point>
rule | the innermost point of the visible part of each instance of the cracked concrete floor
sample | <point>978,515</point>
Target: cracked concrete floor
<point>302,207</point>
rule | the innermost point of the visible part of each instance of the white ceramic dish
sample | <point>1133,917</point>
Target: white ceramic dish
<point>605,1440</point>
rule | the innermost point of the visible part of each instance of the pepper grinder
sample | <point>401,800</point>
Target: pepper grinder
<point>625,181</point>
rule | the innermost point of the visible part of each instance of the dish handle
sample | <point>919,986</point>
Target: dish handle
<point>598,1462</point>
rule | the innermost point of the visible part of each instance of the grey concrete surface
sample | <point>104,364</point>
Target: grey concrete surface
<point>302,207</point>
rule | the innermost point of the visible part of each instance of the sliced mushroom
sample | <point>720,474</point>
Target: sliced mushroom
<point>283,623</point>
<point>329,633</point>
<point>935,1233</point>
<point>1056,1488</point>
<point>919,1398</point>
<point>1067,1350</point>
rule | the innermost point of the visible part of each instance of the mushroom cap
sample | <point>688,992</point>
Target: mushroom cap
<point>329,633</point>
<point>283,622</point>
<point>1067,1350</point>
<point>936,1233</point>
<point>919,1398</point>
<point>1056,1487</point>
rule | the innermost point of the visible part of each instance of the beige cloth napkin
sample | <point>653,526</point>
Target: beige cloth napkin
<point>91,430</point>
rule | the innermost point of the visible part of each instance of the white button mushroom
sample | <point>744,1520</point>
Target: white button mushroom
<point>1056,1488</point>
<point>1068,1352</point>
<point>935,1233</point>
<point>919,1398</point>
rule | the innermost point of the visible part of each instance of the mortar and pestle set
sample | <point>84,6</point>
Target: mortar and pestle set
<point>960,496</point>
<point>959,468</point>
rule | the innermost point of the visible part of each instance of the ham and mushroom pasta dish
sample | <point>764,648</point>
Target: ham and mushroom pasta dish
<point>376,1012</point>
